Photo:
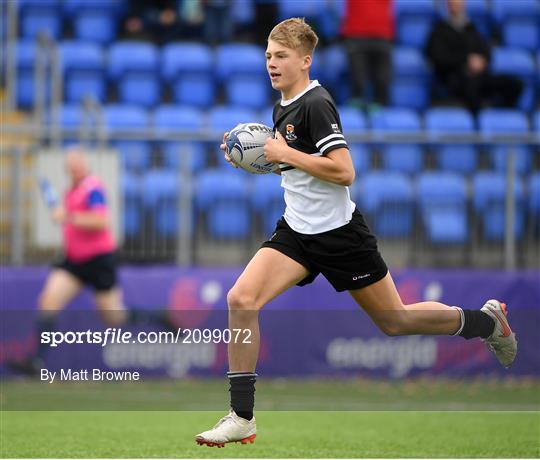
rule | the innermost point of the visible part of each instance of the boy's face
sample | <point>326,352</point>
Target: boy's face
<point>285,66</point>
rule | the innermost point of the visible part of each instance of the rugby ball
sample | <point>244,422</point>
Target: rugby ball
<point>245,146</point>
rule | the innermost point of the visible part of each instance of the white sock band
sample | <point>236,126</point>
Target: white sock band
<point>462,316</point>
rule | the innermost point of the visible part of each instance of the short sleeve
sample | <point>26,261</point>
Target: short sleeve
<point>324,126</point>
<point>96,199</point>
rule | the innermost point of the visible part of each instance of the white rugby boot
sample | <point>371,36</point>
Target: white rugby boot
<point>230,428</point>
<point>502,342</point>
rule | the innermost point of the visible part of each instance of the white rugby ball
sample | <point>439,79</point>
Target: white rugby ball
<point>245,146</point>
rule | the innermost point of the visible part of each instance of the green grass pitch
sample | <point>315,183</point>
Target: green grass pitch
<point>498,432</point>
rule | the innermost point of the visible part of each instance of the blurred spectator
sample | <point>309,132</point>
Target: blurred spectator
<point>368,29</point>
<point>191,18</point>
<point>157,20</point>
<point>218,24</point>
<point>460,57</point>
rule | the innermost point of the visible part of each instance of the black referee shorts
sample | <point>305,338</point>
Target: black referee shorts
<point>99,272</point>
<point>346,256</point>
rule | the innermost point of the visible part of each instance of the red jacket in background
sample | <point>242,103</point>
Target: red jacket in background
<point>369,19</point>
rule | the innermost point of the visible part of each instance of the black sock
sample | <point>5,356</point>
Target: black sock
<point>242,393</point>
<point>476,323</point>
<point>46,322</point>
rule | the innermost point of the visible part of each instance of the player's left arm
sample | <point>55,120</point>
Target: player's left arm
<point>96,216</point>
<point>335,167</point>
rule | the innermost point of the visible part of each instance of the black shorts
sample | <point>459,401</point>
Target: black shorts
<point>347,256</point>
<point>98,272</point>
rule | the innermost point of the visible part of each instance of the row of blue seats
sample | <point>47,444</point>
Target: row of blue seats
<point>97,20</point>
<point>136,155</point>
<point>392,202</point>
<point>194,73</point>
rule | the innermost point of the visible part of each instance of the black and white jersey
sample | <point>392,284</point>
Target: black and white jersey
<point>310,123</point>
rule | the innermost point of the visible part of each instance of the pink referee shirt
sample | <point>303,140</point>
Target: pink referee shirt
<point>80,244</point>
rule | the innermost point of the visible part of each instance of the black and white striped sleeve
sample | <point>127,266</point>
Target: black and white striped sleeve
<point>325,126</point>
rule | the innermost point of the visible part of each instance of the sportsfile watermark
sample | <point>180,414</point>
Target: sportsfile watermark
<point>112,335</point>
<point>307,360</point>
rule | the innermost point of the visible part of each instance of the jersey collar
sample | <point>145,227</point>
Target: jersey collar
<point>312,85</point>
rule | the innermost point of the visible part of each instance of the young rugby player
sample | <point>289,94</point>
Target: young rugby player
<point>323,232</point>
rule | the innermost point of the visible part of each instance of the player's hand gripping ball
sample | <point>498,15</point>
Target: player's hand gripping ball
<point>245,147</point>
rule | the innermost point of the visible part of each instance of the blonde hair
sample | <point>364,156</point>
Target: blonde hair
<point>295,33</point>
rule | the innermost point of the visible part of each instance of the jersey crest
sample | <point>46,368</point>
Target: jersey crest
<point>290,134</point>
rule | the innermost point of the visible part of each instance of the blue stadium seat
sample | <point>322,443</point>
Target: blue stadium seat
<point>522,33</point>
<point>335,74</point>
<point>459,158</point>
<point>503,9</point>
<point>518,62</point>
<point>442,201</point>
<point>180,119</point>
<point>352,120</point>
<point>96,25</point>
<point>83,65</point>
<point>489,196</point>
<point>398,157</point>
<point>114,8</point>
<point>405,158</point>
<point>132,207</point>
<point>414,31</point>
<point>160,199</point>
<point>480,14</point>
<point>538,72</point>
<point>304,9</point>
<point>239,59</point>
<point>3,31</point>
<point>411,84</point>
<point>537,121</point>
<point>25,55</point>
<point>71,117</point>
<point>249,91</point>
<point>189,67</point>
<point>242,13</point>
<point>40,17</point>
<point>225,207</point>
<point>494,122</point>
<point>387,197</point>
<point>265,116</point>
<point>534,202</point>
<point>405,8</point>
<point>361,157</point>
<point>133,65</point>
<point>395,119</point>
<point>224,118</point>
<point>267,200</point>
<point>135,155</point>
<point>414,21</point>
<point>317,71</point>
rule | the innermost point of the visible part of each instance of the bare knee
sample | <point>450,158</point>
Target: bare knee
<point>114,318</point>
<point>47,301</point>
<point>239,298</point>
<point>393,324</point>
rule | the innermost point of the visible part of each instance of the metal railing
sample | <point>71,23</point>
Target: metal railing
<point>191,245</point>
